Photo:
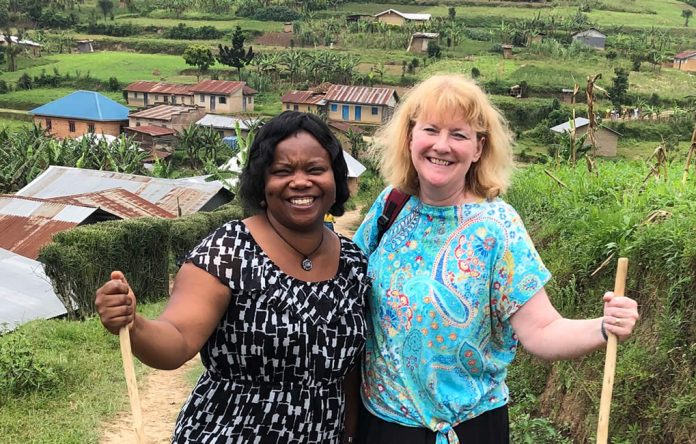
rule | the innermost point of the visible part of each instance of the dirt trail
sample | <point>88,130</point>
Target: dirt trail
<point>163,392</point>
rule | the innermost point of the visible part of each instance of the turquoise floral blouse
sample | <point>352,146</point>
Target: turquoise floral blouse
<point>445,282</point>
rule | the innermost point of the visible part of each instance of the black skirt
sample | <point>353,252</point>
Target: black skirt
<point>491,427</point>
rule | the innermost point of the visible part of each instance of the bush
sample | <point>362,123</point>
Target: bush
<point>116,30</point>
<point>276,14</point>
<point>3,87</point>
<point>114,84</point>
<point>24,82</point>
<point>183,32</point>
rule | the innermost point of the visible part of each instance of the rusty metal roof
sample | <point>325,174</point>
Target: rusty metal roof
<point>217,86</point>
<point>27,224</point>
<point>117,201</point>
<point>192,194</point>
<point>363,95</point>
<point>303,97</point>
<point>26,292</point>
<point>162,112</point>
<point>152,130</point>
<point>685,54</point>
<point>160,87</point>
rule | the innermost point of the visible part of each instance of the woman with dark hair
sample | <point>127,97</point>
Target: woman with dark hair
<point>274,303</point>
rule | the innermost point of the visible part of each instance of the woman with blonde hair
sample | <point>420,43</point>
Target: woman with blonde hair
<point>457,281</point>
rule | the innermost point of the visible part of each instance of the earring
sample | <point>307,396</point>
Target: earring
<point>262,204</point>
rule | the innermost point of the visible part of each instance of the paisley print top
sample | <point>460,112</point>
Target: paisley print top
<point>445,282</point>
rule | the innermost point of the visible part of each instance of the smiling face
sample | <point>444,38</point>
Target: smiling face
<point>442,151</point>
<point>300,186</point>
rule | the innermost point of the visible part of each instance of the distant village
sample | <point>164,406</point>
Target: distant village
<point>62,198</point>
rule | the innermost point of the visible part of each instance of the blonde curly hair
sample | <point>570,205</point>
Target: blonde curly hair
<point>440,98</point>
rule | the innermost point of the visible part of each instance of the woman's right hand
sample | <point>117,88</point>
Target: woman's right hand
<point>116,303</point>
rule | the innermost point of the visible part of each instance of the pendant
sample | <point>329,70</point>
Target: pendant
<point>306,264</point>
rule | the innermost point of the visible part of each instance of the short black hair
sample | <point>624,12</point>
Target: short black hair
<point>252,182</point>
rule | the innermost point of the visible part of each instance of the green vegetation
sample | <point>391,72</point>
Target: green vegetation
<point>576,229</point>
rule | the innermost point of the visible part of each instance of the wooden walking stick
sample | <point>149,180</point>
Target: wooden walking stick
<point>132,383</point>
<point>610,361</point>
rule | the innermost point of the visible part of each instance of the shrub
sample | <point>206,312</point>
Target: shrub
<point>24,82</point>
<point>3,87</point>
<point>276,14</point>
<point>183,32</point>
<point>475,73</point>
<point>114,84</point>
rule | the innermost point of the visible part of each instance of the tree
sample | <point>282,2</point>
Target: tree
<point>199,56</point>
<point>235,56</point>
<point>451,12</point>
<point>105,6</point>
<point>12,49</point>
<point>619,88</point>
<point>687,13</point>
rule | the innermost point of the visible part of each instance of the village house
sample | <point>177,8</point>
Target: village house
<point>166,116</point>
<point>155,139</point>
<point>607,139</point>
<point>591,37</point>
<point>396,18</point>
<point>80,113</point>
<point>145,93</point>
<point>29,46</point>
<point>685,61</point>
<point>421,40</point>
<point>305,101</point>
<point>360,104</point>
<point>224,96</point>
<point>226,126</point>
<point>186,195</point>
<point>85,46</point>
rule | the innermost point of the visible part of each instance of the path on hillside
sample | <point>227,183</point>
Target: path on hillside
<point>162,393</point>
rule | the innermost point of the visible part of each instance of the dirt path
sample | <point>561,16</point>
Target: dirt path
<point>163,392</point>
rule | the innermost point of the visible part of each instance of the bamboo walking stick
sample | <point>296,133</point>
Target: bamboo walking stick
<point>610,361</point>
<point>132,383</point>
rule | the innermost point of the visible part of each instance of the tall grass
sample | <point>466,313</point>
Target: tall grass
<point>575,230</point>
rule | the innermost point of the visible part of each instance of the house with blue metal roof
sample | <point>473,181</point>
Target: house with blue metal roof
<point>80,113</point>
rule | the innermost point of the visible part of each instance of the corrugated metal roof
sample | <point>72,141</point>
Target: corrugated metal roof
<point>227,122</point>
<point>345,127</point>
<point>26,292</point>
<point>427,35</point>
<point>248,90</point>
<point>87,105</point>
<point>303,97</point>
<point>406,15</point>
<point>152,130</point>
<point>59,181</point>
<point>117,201</point>
<point>565,126</point>
<point>162,112</point>
<point>685,54</point>
<point>592,32</point>
<point>217,86</point>
<point>27,224</point>
<point>160,87</point>
<point>363,95</point>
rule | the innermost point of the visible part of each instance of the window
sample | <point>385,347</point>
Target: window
<point>137,123</point>
<point>201,98</point>
<point>295,108</point>
<point>49,125</point>
<point>166,99</point>
<point>375,110</point>
<point>90,128</point>
<point>222,100</point>
<point>157,97</point>
<point>173,100</point>
<point>135,95</point>
<point>334,107</point>
<point>287,106</point>
<point>71,126</point>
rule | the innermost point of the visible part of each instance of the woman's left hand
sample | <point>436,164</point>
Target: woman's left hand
<point>620,315</point>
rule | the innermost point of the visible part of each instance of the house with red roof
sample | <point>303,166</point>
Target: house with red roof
<point>223,96</point>
<point>144,93</point>
<point>305,101</point>
<point>80,113</point>
<point>360,104</point>
<point>685,61</point>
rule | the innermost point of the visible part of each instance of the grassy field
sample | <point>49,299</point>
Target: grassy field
<point>223,25</point>
<point>662,13</point>
<point>87,384</point>
<point>29,99</point>
<point>13,124</point>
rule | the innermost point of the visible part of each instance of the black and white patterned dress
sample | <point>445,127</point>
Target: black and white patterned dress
<point>276,361</point>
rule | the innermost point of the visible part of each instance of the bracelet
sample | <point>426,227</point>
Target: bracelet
<point>349,440</point>
<point>604,332</point>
